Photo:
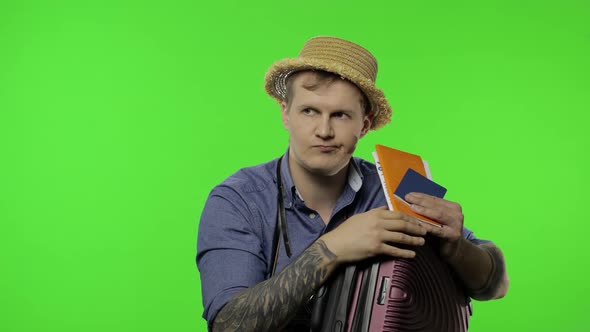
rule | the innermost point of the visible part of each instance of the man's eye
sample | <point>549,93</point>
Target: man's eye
<point>308,111</point>
<point>340,115</point>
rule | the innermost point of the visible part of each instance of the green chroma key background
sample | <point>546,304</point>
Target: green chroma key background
<point>118,117</point>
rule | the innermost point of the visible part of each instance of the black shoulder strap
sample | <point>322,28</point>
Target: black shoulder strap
<point>281,223</point>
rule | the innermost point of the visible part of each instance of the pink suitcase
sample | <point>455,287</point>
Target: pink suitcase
<point>419,294</point>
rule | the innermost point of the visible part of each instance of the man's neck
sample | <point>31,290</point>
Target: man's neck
<point>319,192</point>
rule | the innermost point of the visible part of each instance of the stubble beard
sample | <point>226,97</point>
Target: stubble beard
<point>326,164</point>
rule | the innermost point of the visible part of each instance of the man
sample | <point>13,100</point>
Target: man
<point>333,203</point>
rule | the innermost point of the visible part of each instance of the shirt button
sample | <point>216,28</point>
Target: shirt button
<point>312,215</point>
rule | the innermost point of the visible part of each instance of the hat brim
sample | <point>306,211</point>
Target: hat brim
<point>276,84</point>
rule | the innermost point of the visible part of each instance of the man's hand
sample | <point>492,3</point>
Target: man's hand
<point>447,213</point>
<point>375,232</point>
<point>482,267</point>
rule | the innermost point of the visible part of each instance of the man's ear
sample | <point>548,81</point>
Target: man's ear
<point>285,114</point>
<point>367,124</point>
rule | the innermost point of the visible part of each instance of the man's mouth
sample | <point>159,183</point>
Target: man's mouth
<point>326,148</point>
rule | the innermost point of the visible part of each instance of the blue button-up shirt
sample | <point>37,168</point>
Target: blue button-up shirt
<point>238,222</point>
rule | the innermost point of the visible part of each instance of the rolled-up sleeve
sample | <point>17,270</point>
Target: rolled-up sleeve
<point>469,235</point>
<point>229,249</point>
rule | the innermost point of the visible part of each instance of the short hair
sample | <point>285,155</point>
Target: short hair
<point>322,78</point>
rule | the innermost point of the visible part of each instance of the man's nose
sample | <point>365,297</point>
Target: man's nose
<point>324,128</point>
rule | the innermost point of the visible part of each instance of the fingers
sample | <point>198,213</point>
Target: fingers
<point>395,221</point>
<point>395,215</point>
<point>431,201</point>
<point>404,230</point>
<point>398,228</point>
<point>444,211</point>
<point>404,224</point>
<point>397,252</point>
<point>442,215</point>
<point>448,213</point>
<point>398,221</point>
<point>401,238</point>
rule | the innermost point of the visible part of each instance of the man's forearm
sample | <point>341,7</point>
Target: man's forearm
<point>270,305</point>
<point>481,268</point>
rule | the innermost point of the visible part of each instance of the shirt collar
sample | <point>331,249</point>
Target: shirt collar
<point>355,179</point>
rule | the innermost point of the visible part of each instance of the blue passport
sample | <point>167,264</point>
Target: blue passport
<point>416,182</point>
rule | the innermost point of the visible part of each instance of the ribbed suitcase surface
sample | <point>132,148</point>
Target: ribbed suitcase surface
<point>395,295</point>
<point>419,294</point>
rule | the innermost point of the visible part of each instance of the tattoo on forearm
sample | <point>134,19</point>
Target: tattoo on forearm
<point>496,275</point>
<point>270,305</point>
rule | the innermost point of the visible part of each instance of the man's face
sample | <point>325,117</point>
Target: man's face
<point>324,125</point>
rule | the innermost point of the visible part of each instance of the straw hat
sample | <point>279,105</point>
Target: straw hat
<point>337,56</point>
